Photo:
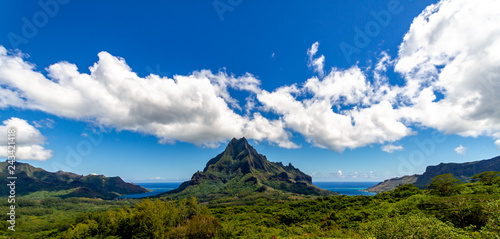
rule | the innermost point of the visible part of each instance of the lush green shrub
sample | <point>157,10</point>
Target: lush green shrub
<point>149,219</point>
<point>444,185</point>
<point>412,226</point>
<point>462,211</point>
<point>412,204</point>
<point>492,227</point>
<point>83,230</point>
<point>487,178</point>
<point>467,188</point>
<point>200,227</point>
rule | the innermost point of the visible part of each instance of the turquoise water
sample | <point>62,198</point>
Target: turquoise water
<point>346,188</point>
<point>156,188</point>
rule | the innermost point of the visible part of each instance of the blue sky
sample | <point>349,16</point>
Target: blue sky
<point>345,91</point>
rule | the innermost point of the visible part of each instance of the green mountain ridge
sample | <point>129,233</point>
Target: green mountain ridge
<point>462,171</point>
<point>390,184</point>
<point>239,172</point>
<point>33,181</point>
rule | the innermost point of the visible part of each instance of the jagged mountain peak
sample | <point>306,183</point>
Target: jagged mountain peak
<point>239,156</point>
<point>240,170</point>
<point>240,146</point>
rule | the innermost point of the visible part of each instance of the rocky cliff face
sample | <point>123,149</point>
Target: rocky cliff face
<point>462,171</point>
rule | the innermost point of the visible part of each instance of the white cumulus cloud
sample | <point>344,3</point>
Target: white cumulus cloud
<point>317,64</point>
<point>368,121</point>
<point>28,141</point>
<point>391,148</point>
<point>452,48</point>
<point>195,108</point>
<point>461,150</point>
<point>449,60</point>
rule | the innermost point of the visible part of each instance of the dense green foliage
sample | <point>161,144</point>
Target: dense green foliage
<point>148,219</point>
<point>466,210</point>
<point>487,178</point>
<point>444,185</point>
<point>51,216</point>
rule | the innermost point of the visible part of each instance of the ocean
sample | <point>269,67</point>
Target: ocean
<point>346,188</point>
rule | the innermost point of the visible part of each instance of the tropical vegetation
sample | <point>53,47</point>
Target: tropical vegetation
<point>447,209</point>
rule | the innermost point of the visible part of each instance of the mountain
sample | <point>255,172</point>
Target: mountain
<point>390,184</point>
<point>240,172</point>
<point>462,171</point>
<point>32,181</point>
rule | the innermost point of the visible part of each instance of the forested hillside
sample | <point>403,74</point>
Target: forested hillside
<point>38,183</point>
<point>447,209</point>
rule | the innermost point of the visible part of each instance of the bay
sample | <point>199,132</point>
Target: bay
<point>345,188</point>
